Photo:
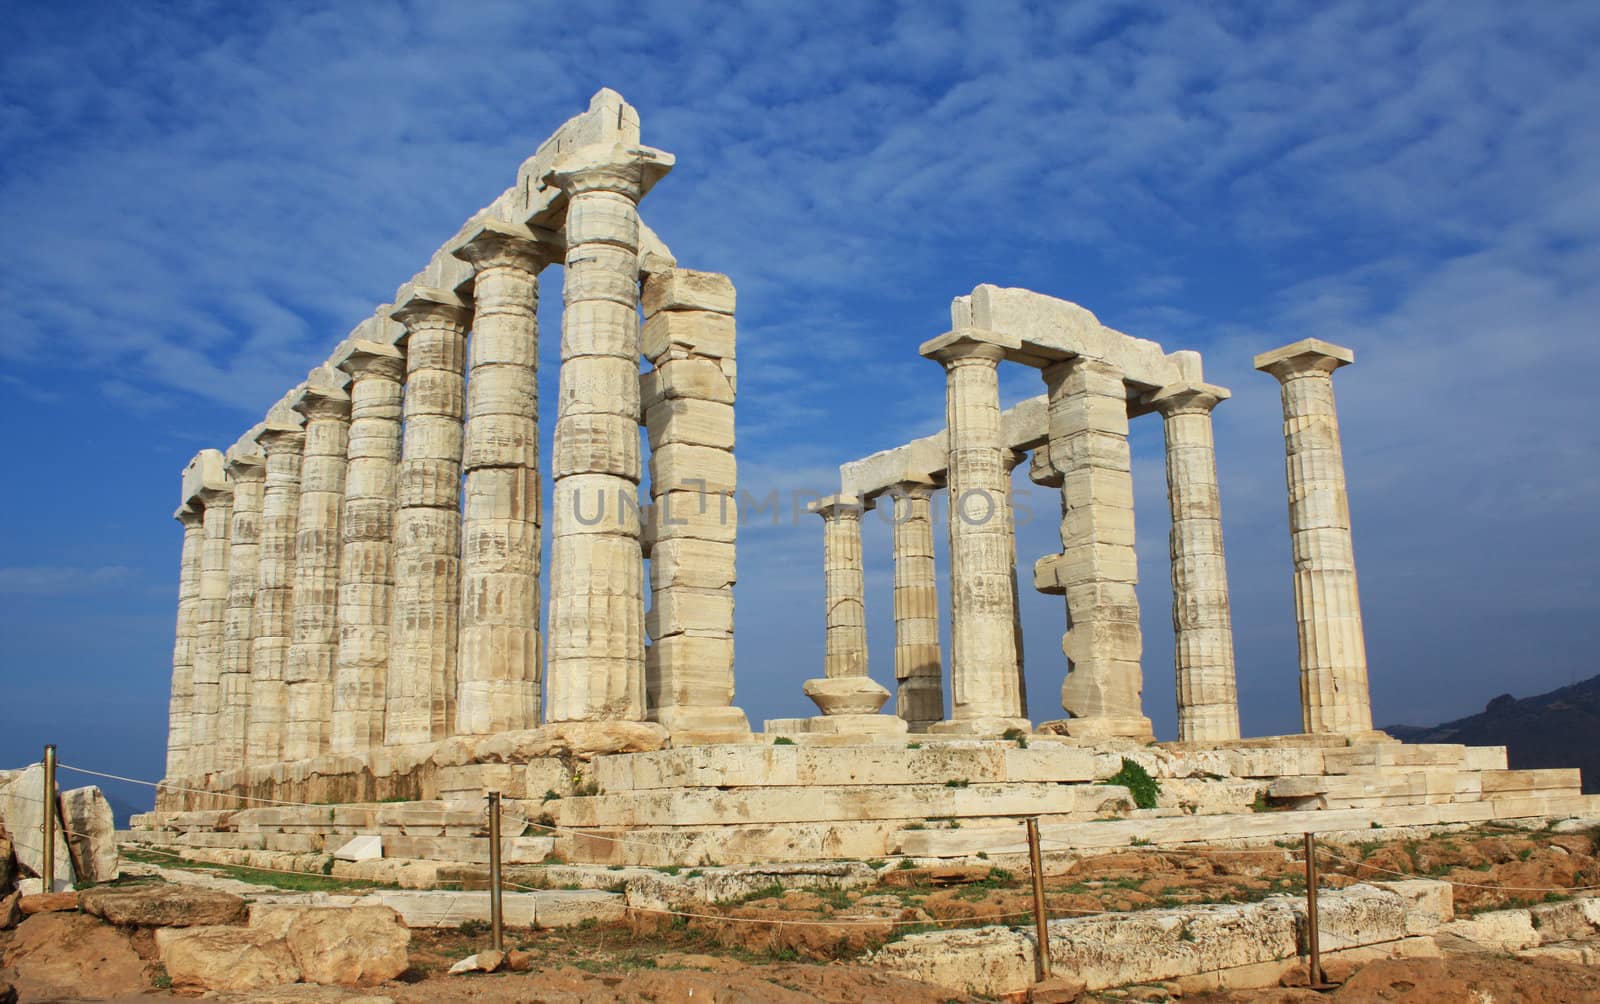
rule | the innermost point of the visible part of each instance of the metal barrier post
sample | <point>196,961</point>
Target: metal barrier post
<point>496,925</point>
<point>1041,920</point>
<point>1314,974</point>
<point>49,875</point>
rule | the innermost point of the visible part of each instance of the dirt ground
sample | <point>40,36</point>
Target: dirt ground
<point>738,955</point>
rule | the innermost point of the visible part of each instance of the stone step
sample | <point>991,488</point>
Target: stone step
<point>545,908</point>
<point>1523,781</point>
<point>691,807</point>
<point>469,850</point>
<point>752,766</point>
<point>1394,755</point>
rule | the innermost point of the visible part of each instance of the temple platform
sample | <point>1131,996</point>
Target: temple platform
<point>922,797</point>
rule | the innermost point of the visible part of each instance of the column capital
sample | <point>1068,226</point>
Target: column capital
<point>626,170</point>
<point>1307,356</point>
<point>969,345</point>
<point>914,488</point>
<point>841,506</point>
<point>492,243</point>
<point>189,516</point>
<point>323,394</point>
<point>203,473</point>
<point>276,439</point>
<point>1012,458</point>
<point>428,305</point>
<point>360,358</point>
<point>246,466</point>
<point>1188,398</point>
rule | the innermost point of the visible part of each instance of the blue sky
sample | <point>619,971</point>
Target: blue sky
<point>197,201</point>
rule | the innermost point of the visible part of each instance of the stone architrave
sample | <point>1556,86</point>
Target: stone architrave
<point>688,400</point>
<point>985,695</point>
<point>596,627</point>
<point>1334,694</point>
<point>207,486</point>
<point>366,568</point>
<point>181,708</point>
<point>247,471</point>
<point>497,666</point>
<point>419,695</point>
<point>1097,570</point>
<point>918,660</point>
<point>1202,625</point>
<point>846,692</point>
<point>283,442</point>
<point>314,639</point>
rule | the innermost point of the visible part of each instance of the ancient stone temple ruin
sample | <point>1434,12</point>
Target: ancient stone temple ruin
<point>358,647</point>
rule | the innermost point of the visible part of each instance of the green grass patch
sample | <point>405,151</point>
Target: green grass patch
<point>1144,788</point>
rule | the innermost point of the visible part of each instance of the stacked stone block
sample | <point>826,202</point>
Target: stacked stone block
<point>1097,569</point>
<point>688,400</point>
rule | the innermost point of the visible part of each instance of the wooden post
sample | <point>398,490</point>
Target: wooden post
<point>1041,920</point>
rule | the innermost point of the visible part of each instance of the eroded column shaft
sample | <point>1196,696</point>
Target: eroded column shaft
<point>844,592</point>
<point>210,614</point>
<point>366,568</point>
<point>498,667</point>
<point>269,650</point>
<point>180,715</point>
<point>918,662</point>
<point>249,485</point>
<point>420,689</point>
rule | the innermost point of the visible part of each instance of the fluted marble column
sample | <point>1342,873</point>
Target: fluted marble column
<point>284,443</point>
<point>1012,459</point>
<point>419,699</point>
<point>1202,625</point>
<point>985,694</point>
<point>314,640</point>
<point>498,668</point>
<point>180,716</point>
<point>1333,653</point>
<point>596,624</point>
<point>366,568</point>
<point>247,470</point>
<point>848,698</point>
<point>210,613</point>
<point>1097,570</point>
<point>918,661</point>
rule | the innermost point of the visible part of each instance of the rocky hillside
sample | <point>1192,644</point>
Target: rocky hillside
<point>1557,729</point>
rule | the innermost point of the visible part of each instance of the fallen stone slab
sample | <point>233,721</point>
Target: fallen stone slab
<point>1499,930</point>
<point>225,958</point>
<point>92,833</point>
<point>367,847</point>
<point>486,961</point>
<point>10,912</point>
<point>161,905</point>
<point>22,808</point>
<point>71,956</point>
<point>48,902</point>
<point>353,946</point>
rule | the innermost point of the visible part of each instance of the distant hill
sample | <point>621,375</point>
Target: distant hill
<point>1558,729</point>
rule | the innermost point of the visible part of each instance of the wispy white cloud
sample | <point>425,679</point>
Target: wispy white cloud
<point>60,580</point>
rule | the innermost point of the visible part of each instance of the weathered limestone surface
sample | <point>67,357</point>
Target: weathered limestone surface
<point>985,695</point>
<point>918,663</point>
<point>366,567</point>
<point>314,633</point>
<point>688,406</point>
<point>596,623</point>
<point>247,471</point>
<point>284,442</point>
<point>1202,624</point>
<point>210,614</point>
<point>180,713</point>
<point>22,811</point>
<point>1097,570</point>
<point>497,669</point>
<point>1333,653</point>
<point>91,830</point>
<point>419,692</point>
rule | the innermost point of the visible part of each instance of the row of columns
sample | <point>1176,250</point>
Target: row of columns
<point>363,568</point>
<point>1086,456</point>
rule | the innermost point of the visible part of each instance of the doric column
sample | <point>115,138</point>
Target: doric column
<point>366,569</point>
<point>1097,569</point>
<point>247,471</point>
<point>419,695</point>
<point>986,697</point>
<point>284,443</point>
<point>1333,649</point>
<point>497,667</point>
<point>846,691</point>
<point>210,614</point>
<point>1012,459</point>
<point>314,637</point>
<point>596,624</point>
<point>693,520</point>
<point>181,706</point>
<point>918,663</point>
<point>1202,627</point>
